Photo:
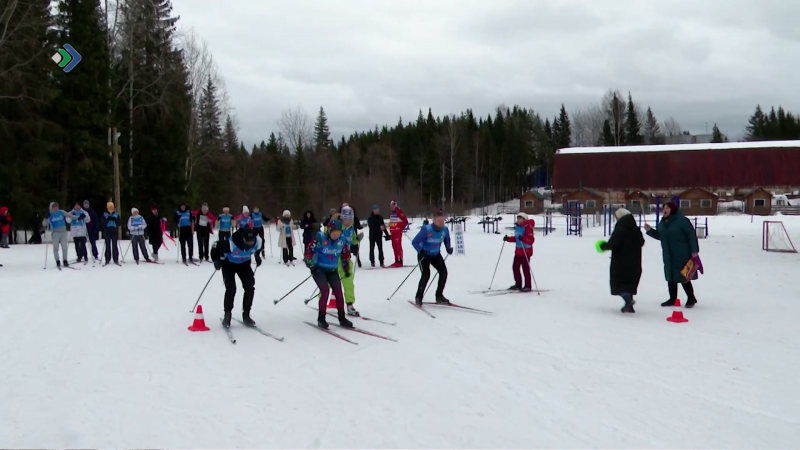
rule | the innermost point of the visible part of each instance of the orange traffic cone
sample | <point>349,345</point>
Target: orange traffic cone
<point>199,323</point>
<point>332,303</point>
<point>677,313</point>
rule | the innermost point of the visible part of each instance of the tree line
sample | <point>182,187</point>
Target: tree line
<point>161,90</point>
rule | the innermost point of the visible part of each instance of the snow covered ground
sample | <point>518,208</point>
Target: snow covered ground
<point>101,357</point>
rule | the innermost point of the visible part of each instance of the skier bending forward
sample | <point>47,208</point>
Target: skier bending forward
<point>233,257</point>
<point>322,258</point>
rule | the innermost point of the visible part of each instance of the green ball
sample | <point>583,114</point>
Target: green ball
<point>598,244</point>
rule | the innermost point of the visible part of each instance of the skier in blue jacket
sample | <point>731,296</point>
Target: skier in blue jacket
<point>428,244</point>
<point>232,256</point>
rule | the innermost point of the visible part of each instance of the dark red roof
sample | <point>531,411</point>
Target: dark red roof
<point>625,168</point>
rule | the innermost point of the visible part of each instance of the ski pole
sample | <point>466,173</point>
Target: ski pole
<point>433,279</point>
<point>46,244</point>
<point>404,280</point>
<point>497,265</point>
<point>313,294</point>
<point>271,254</point>
<point>104,249</point>
<point>294,289</point>
<point>530,269</point>
<point>126,250</point>
<point>204,290</point>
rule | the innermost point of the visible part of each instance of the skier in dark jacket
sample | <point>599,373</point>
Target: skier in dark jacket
<point>93,228</point>
<point>625,243</point>
<point>309,229</point>
<point>232,256</point>
<point>155,230</point>
<point>377,230</point>
<point>354,249</point>
<point>678,245</point>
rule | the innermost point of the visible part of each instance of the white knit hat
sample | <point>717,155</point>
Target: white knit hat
<point>134,210</point>
<point>245,209</point>
<point>523,215</point>
<point>287,213</point>
<point>621,212</point>
<point>347,213</point>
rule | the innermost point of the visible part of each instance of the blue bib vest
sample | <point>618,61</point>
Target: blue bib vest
<point>326,255</point>
<point>258,219</point>
<point>225,222</point>
<point>519,233</point>
<point>114,218</point>
<point>80,222</point>
<point>244,222</point>
<point>348,234</point>
<point>137,221</point>
<point>287,229</point>
<point>433,240</point>
<point>185,219</point>
<point>239,256</point>
<point>57,220</point>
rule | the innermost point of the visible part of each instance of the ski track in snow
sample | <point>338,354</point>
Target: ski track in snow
<point>101,357</point>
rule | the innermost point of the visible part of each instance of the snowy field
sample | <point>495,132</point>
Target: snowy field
<point>101,357</point>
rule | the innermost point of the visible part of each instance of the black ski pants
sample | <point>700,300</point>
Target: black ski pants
<point>327,281</point>
<point>376,241</point>
<point>185,236</point>
<point>425,263</point>
<point>80,248</point>
<point>112,245</point>
<point>687,287</point>
<point>224,235</point>
<point>203,238</point>
<point>245,273</point>
<point>288,251</point>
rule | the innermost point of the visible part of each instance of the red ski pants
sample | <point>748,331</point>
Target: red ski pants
<point>397,246</point>
<point>522,265</point>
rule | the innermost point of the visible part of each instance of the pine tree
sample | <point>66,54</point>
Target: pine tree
<point>322,133</point>
<point>633,129</point>
<point>565,132</point>
<point>716,135</point>
<point>652,129</point>
<point>230,140</point>
<point>756,128</point>
<point>606,138</point>
<point>82,106</point>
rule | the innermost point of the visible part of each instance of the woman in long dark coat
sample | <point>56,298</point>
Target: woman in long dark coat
<point>678,245</point>
<point>625,243</point>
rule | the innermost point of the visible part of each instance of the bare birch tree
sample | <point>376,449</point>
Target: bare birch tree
<point>295,126</point>
<point>671,129</point>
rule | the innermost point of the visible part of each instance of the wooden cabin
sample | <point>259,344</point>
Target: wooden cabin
<point>758,202</point>
<point>591,201</point>
<point>532,202</point>
<point>638,201</point>
<point>698,202</point>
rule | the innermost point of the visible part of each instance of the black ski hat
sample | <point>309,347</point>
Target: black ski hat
<point>248,236</point>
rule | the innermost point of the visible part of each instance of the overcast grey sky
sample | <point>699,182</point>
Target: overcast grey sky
<point>371,61</point>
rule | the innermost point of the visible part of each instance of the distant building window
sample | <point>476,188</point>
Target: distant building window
<point>636,205</point>
<point>591,204</point>
<point>705,203</point>
<point>760,202</point>
<point>529,203</point>
<point>686,204</point>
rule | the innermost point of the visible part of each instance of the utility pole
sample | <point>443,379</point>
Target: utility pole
<point>115,150</point>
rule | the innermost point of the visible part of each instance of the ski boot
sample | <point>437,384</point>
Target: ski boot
<point>248,322</point>
<point>515,287</point>
<point>66,264</point>
<point>525,289</point>
<point>155,258</point>
<point>441,300</point>
<point>351,311</point>
<point>372,263</point>
<point>690,303</point>
<point>321,322</point>
<point>344,322</point>
<point>58,265</point>
<point>628,308</point>
<point>668,303</point>
<point>226,321</point>
<point>418,300</point>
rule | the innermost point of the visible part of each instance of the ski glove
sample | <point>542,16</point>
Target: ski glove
<point>505,238</point>
<point>258,262</point>
<point>599,246</point>
<point>387,238</point>
<point>449,250</point>
<point>217,264</point>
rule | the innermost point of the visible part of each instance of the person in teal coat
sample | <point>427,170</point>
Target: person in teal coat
<point>678,245</point>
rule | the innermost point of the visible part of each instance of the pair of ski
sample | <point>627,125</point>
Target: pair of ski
<point>357,330</point>
<point>69,267</point>
<point>330,313</point>
<point>496,292</point>
<point>116,264</point>
<point>186,263</point>
<point>389,267</point>
<point>446,305</point>
<point>255,327</point>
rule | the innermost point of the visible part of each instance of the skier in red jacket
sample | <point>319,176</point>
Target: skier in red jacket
<point>5,227</point>
<point>523,237</point>
<point>397,223</point>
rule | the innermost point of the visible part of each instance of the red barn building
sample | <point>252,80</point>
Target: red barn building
<point>672,169</point>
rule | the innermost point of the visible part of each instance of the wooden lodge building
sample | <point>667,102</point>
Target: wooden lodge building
<point>696,173</point>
